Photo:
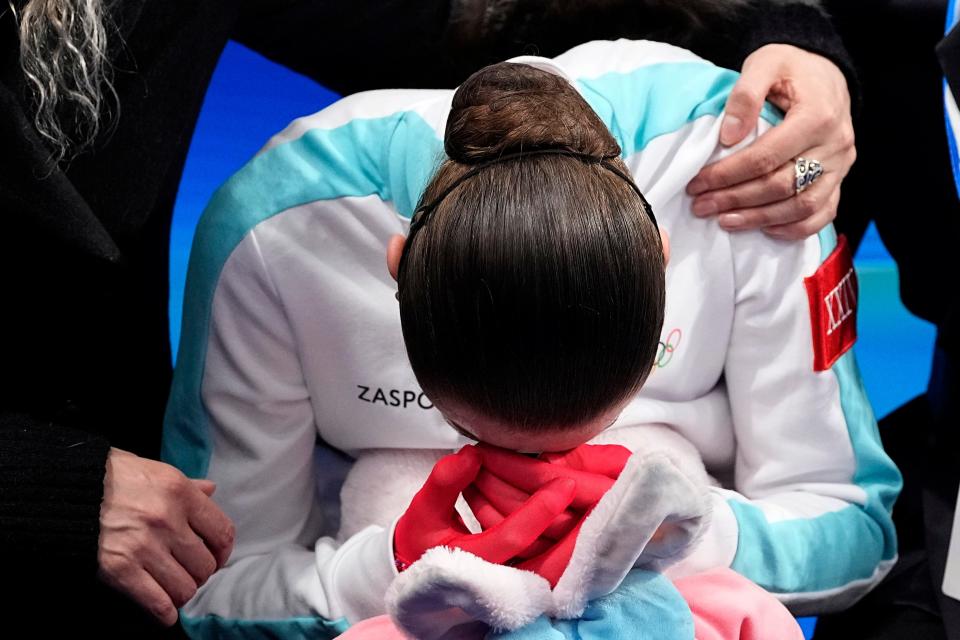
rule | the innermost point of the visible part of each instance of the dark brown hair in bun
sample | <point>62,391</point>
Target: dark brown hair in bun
<point>534,295</point>
<point>506,108</point>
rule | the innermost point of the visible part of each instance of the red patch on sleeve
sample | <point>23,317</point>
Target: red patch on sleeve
<point>832,294</point>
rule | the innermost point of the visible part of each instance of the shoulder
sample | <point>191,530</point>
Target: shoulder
<point>379,143</point>
<point>643,89</point>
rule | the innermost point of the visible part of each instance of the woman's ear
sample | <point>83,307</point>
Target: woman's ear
<point>394,251</point>
<point>665,241</point>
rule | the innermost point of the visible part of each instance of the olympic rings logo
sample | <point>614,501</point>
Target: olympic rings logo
<point>666,348</point>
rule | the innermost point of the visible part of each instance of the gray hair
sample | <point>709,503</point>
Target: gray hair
<point>63,54</point>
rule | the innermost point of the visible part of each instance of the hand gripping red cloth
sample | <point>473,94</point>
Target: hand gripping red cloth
<point>431,520</point>
<point>508,478</point>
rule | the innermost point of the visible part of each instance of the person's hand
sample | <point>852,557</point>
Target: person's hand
<point>602,459</point>
<point>492,498</point>
<point>161,536</point>
<point>647,514</point>
<point>431,519</point>
<point>754,187</point>
<point>528,474</point>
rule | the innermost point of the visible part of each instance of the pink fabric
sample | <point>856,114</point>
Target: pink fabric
<point>379,628</point>
<point>725,606</point>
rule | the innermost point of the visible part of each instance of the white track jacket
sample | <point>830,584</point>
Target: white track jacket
<point>291,342</point>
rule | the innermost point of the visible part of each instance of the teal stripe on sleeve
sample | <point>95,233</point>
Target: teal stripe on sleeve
<point>681,92</point>
<point>215,627</point>
<point>834,549</point>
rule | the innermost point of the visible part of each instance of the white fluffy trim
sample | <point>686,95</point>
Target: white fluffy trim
<point>450,587</point>
<point>650,492</point>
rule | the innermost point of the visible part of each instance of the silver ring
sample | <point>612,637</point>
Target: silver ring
<point>805,172</point>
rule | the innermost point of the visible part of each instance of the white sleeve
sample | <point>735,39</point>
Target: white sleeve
<point>810,517</point>
<point>282,575</point>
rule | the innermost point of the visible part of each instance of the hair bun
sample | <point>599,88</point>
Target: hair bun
<point>511,107</point>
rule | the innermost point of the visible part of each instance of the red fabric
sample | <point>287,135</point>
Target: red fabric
<point>832,295</point>
<point>431,520</point>
<point>379,628</point>
<point>509,478</point>
<point>529,474</point>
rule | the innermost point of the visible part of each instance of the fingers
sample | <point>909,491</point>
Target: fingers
<point>746,100</point>
<point>553,562</point>
<point>195,557</point>
<point>819,201</point>
<point>211,524</point>
<point>604,459</point>
<point>171,576</point>
<point>529,475</point>
<point>434,503</point>
<point>144,590</point>
<point>520,529</point>
<point>779,187</point>
<point>502,496</point>
<point>754,185</point>
<point>486,514</point>
<point>772,202</point>
<point>558,458</point>
<point>489,517</point>
<point>160,533</point>
<point>497,498</point>
<point>772,187</point>
<point>808,226</point>
<point>520,471</point>
<point>772,150</point>
<point>540,546</point>
<point>813,93</point>
<point>206,486</point>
